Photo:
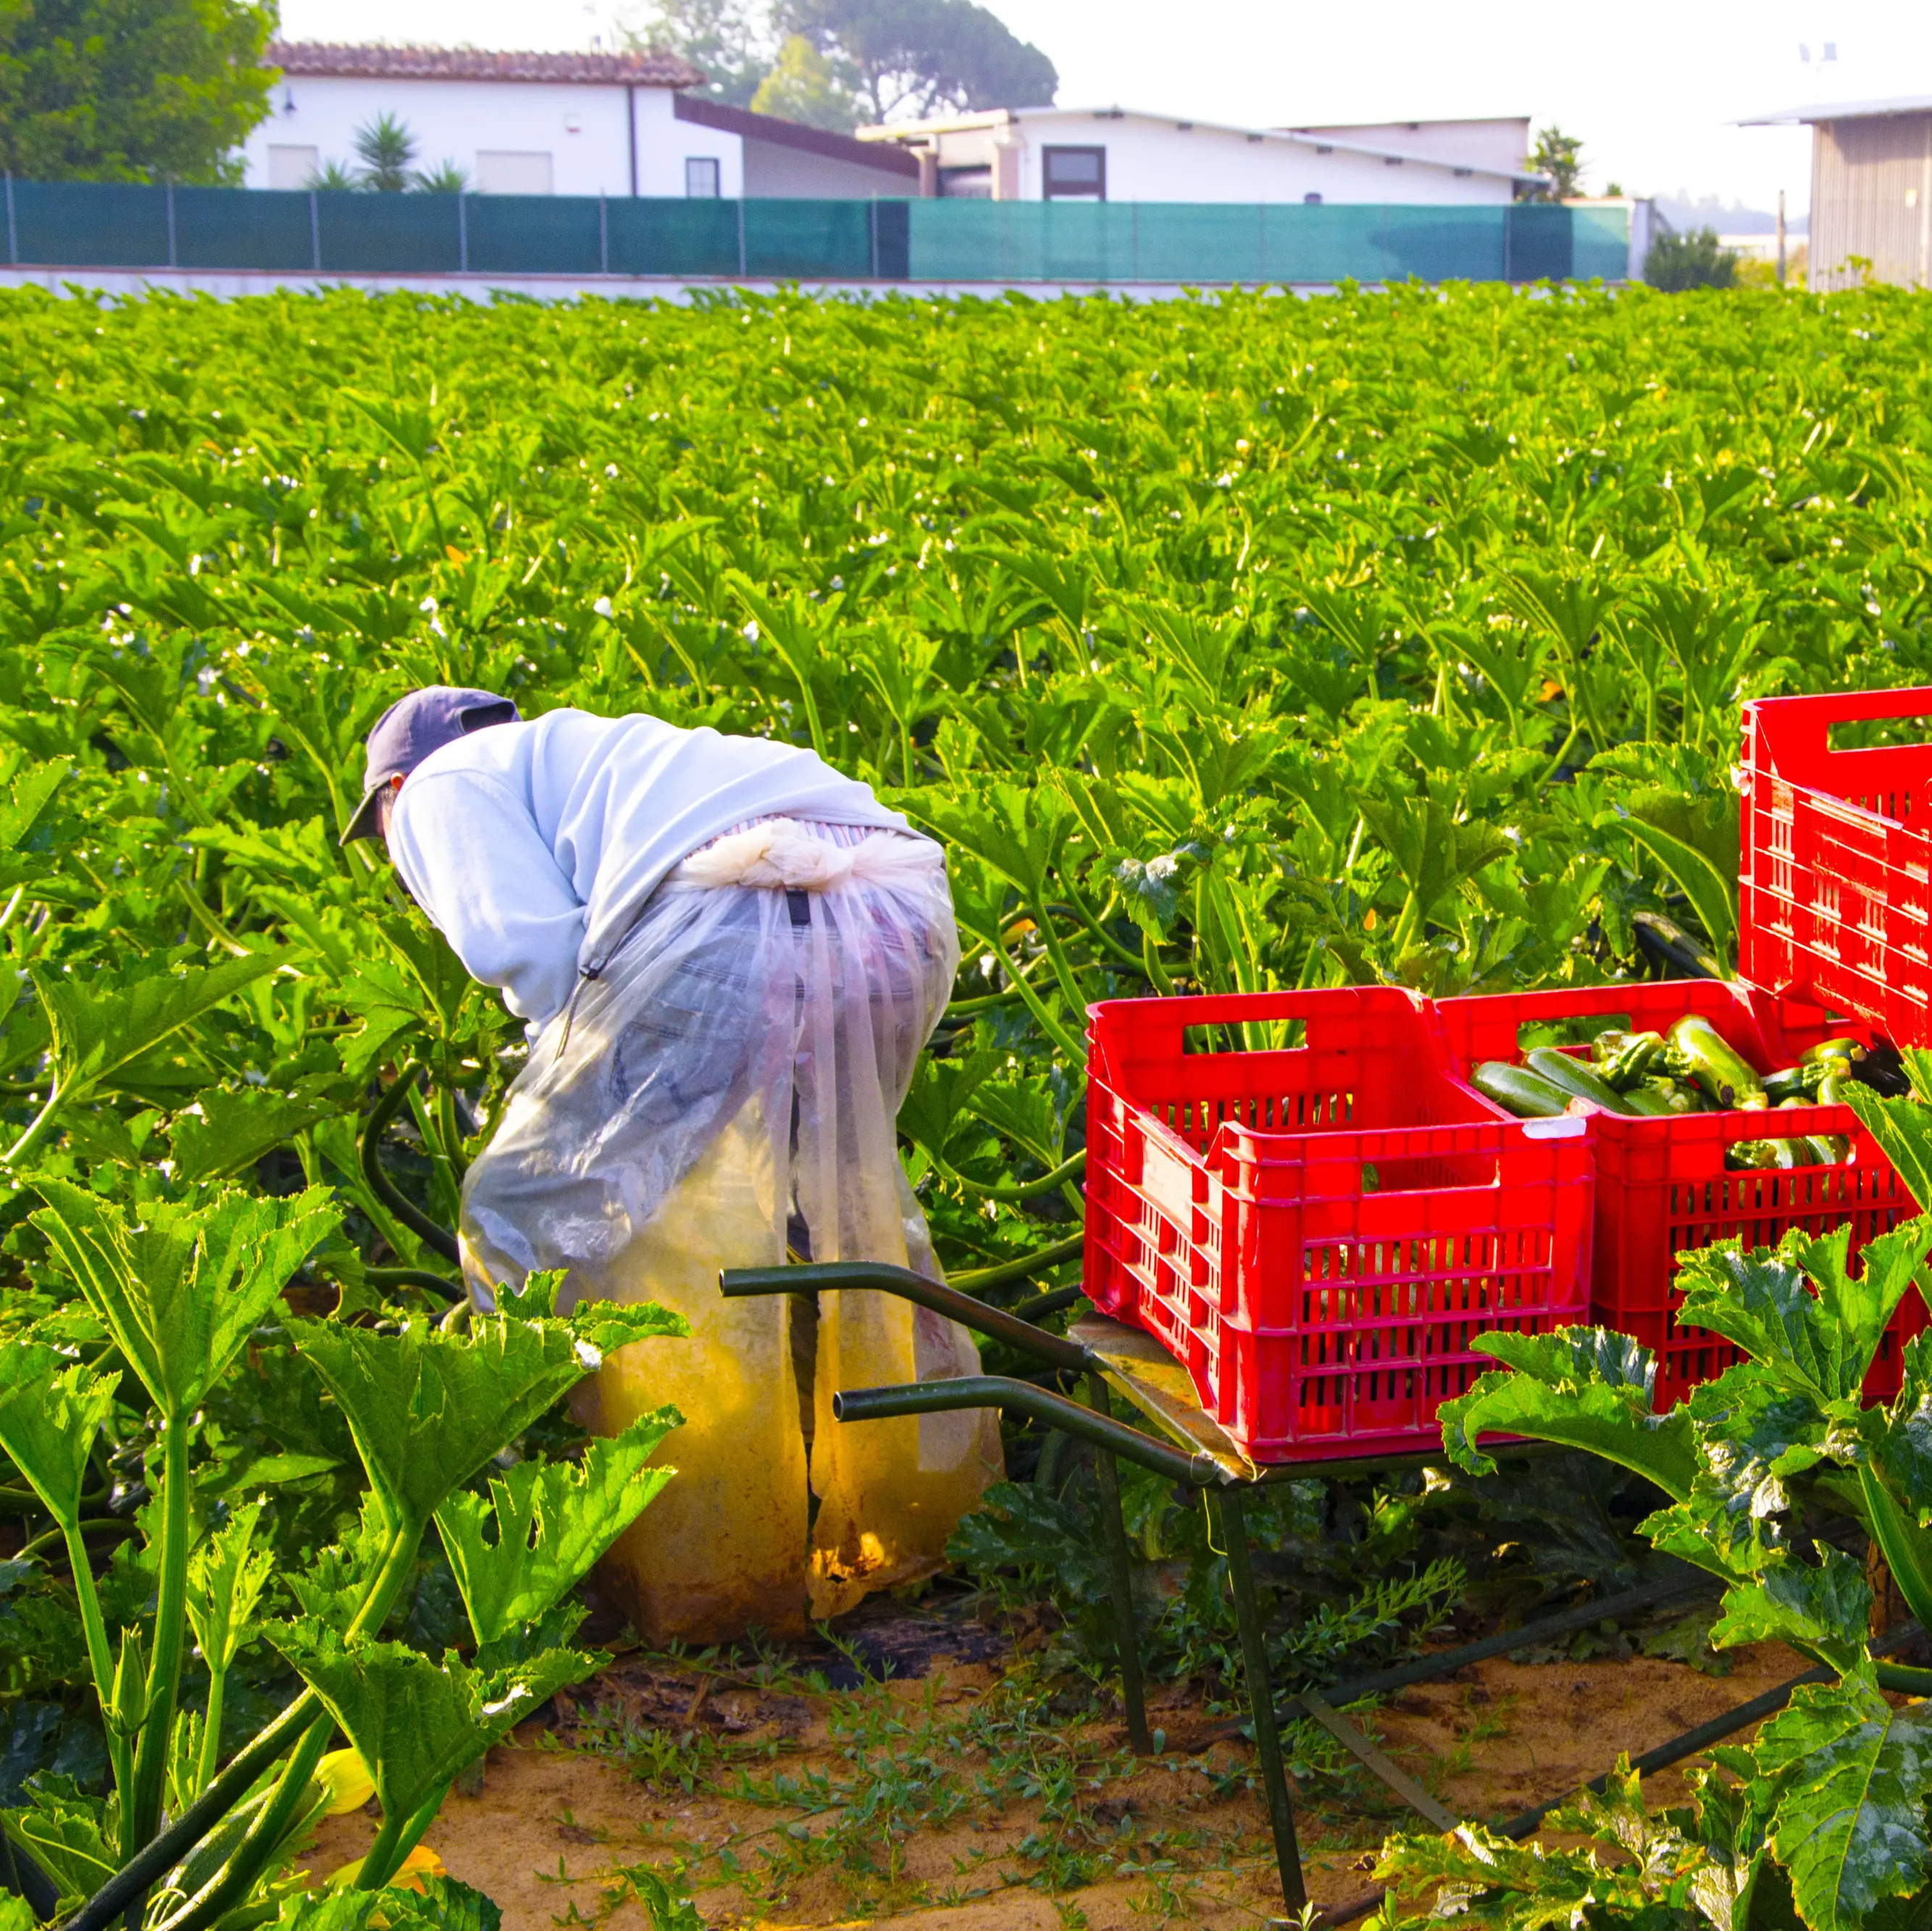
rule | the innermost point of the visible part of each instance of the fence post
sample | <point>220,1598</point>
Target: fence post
<point>603,234</point>
<point>872,223</point>
<point>13,231</point>
<point>173,260</point>
<point>314,233</point>
<point>1509,224</point>
<point>1134,236</point>
<point>462,233</point>
<point>742,272</point>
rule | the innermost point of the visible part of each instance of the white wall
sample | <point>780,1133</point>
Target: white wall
<point>584,129</point>
<point>1150,159</point>
<point>1501,143</point>
<point>778,173</point>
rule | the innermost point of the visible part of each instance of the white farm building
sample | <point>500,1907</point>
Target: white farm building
<point>1114,153</point>
<point>569,123</point>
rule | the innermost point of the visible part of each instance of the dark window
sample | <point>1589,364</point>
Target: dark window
<point>966,184</point>
<point>701,178</point>
<point>1071,173</point>
<point>1313,200</point>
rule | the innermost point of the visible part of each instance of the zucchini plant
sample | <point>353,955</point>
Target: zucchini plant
<point>174,1295</point>
<point>1776,1476</point>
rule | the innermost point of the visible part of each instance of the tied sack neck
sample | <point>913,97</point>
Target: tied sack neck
<point>780,854</point>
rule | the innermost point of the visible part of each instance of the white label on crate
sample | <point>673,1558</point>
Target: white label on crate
<point>1565,1126</point>
<point>1168,1182</point>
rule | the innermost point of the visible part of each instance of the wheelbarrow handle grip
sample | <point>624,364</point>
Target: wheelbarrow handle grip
<point>1041,1404</point>
<point>996,1323</point>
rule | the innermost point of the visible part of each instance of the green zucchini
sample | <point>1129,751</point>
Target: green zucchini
<point>1791,1085</point>
<point>1573,1077</point>
<point>1640,1055</point>
<point>1650,1098</point>
<point>1723,1073</point>
<point>1850,1051</point>
<point>1525,1094</point>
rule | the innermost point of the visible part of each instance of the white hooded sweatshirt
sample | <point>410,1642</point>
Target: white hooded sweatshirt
<point>533,847</point>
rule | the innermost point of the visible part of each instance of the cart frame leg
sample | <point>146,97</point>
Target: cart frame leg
<point>1231,1519</point>
<point>1127,1634</point>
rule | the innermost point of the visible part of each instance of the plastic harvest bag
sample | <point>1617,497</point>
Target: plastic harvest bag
<point>735,1072</point>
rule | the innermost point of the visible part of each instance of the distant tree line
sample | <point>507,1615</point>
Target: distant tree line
<point>839,64</point>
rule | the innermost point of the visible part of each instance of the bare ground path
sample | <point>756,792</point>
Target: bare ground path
<point>959,1800</point>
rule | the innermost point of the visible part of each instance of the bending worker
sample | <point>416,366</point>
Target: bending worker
<point>727,956</point>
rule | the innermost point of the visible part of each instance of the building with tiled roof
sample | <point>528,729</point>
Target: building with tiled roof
<point>538,123</point>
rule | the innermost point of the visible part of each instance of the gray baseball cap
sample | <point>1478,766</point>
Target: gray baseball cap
<point>413,727</point>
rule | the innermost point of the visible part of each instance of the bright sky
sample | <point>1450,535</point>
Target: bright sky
<point>1650,85</point>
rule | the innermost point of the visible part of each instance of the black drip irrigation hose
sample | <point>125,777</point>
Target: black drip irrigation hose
<point>1686,1744</point>
<point>438,1239</point>
<point>1680,1586</point>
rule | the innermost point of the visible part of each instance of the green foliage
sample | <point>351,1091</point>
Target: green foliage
<point>416,1722</point>
<point>804,86</point>
<point>1230,643</point>
<point>1698,260</point>
<point>914,58</point>
<point>552,1522</point>
<point>131,90</point>
<point>1559,156</point>
<point>1763,1461</point>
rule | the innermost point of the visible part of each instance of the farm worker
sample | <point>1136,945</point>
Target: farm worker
<point>727,956</point>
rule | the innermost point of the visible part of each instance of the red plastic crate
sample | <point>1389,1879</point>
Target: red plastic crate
<point>1662,1186</point>
<point>1835,885</point>
<point>1320,1308</point>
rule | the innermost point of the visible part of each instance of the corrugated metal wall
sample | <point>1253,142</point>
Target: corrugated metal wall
<point>1871,197</point>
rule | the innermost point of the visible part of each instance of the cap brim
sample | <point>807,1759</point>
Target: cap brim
<point>364,824</point>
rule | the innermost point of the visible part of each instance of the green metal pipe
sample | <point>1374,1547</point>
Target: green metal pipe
<point>1231,1520</point>
<point>1114,1528</point>
<point>1001,1391</point>
<point>885,1278</point>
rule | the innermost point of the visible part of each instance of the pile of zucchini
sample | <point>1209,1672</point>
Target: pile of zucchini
<point>1693,1069</point>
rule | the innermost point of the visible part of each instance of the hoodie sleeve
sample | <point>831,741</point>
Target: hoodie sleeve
<point>474,860</point>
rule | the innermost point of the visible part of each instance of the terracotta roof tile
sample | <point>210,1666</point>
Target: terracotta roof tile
<point>652,68</point>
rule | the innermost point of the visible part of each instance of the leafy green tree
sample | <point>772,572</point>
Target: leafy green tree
<point>1696,260</point>
<point>923,57</point>
<point>131,90</point>
<point>804,86</point>
<point>386,148</point>
<point>729,42</point>
<point>1560,156</point>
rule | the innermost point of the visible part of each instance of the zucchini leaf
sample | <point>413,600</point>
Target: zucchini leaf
<point>51,1412</point>
<point>552,1520</point>
<point>416,1722</point>
<point>427,1409</point>
<point>1850,1827</point>
<point>181,1289</point>
<point>1585,1387</point>
<point>106,1022</point>
<point>1823,1612</point>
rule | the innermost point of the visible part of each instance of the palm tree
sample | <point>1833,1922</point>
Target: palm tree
<point>446,177</point>
<point>387,147</point>
<point>334,178</point>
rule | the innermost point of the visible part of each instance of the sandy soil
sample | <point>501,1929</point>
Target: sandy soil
<point>936,1807</point>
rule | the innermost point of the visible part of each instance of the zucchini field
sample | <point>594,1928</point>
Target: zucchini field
<point>1229,644</point>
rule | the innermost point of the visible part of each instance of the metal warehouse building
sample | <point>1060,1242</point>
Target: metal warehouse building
<point>1871,189</point>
